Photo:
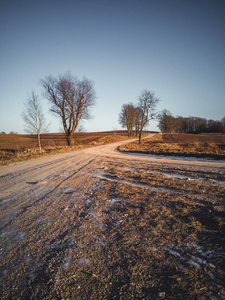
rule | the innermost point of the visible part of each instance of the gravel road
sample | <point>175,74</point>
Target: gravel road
<point>68,223</point>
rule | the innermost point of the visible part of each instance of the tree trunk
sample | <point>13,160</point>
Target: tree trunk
<point>70,140</point>
<point>140,136</point>
<point>39,142</point>
<point>37,128</point>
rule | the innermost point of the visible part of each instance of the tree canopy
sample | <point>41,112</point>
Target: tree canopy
<point>33,117</point>
<point>135,118</point>
<point>169,123</point>
<point>71,99</point>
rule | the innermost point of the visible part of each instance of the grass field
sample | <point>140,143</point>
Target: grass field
<point>197,145</point>
<point>17,147</point>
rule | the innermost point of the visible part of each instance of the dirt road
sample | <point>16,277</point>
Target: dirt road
<point>98,224</point>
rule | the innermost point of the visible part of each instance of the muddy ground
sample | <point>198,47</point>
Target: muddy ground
<point>97,224</point>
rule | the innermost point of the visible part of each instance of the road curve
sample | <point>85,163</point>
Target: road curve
<point>23,182</point>
<point>57,213</point>
<point>109,150</point>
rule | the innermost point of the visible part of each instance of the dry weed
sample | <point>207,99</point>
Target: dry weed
<point>211,146</point>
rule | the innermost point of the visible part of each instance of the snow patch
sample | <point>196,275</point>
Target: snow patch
<point>113,201</point>
<point>171,251</point>
<point>194,264</point>
<point>66,262</point>
<point>140,185</point>
<point>82,261</point>
<point>191,158</point>
<point>184,177</point>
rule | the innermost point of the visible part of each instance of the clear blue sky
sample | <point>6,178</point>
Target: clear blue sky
<point>174,48</point>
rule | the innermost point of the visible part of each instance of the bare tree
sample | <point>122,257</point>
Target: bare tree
<point>138,115</point>
<point>223,124</point>
<point>33,117</point>
<point>71,99</point>
<point>127,118</point>
<point>167,122</point>
<point>147,104</point>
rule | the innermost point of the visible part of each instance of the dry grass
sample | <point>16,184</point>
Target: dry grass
<point>109,239</point>
<point>15,147</point>
<point>165,242</point>
<point>197,145</point>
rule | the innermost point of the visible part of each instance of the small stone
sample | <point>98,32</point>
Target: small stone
<point>162,295</point>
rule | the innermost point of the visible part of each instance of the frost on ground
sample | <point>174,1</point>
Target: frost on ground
<point>112,228</point>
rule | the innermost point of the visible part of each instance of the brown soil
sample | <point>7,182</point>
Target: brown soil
<point>189,145</point>
<point>16,147</point>
<point>98,224</point>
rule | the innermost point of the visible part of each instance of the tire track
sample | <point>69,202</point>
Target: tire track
<point>32,171</point>
<point>34,192</point>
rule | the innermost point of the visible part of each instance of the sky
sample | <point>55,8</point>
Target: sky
<point>174,48</point>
